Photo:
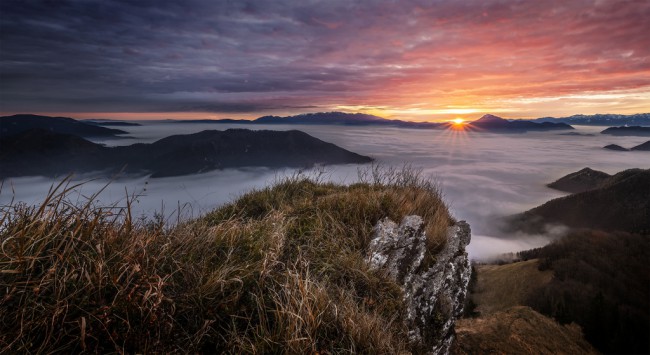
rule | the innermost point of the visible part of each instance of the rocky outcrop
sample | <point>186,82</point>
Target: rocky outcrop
<point>434,292</point>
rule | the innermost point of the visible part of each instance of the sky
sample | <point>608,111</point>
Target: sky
<point>415,60</point>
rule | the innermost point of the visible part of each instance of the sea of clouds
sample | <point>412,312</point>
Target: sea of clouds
<point>483,176</point>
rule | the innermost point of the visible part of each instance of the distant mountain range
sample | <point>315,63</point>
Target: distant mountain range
<point>641,119</point>
<point>618,202</point>
<point>485,123</point>
<point>111,123</point>
<point>10,125</point>
<point>328,118</point>
<point>41,152</point>
<point>495,123</point>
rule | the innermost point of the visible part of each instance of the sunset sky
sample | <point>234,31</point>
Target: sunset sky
<point>414,60</point>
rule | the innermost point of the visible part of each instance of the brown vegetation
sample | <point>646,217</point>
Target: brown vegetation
<point>500,287</point>
<point>518,330</point>
<point>601,282</point>
<point>280,270</point>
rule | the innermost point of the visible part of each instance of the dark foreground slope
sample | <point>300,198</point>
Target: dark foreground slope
<point>281,270</point>
<point>10,125</point>
<point>500,321</point>
<point>518,330</point>
<point>621,203</point>
<point>39,152</point>
<point>601,282</point>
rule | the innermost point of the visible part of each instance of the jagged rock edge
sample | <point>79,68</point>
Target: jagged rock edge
<point>434,297</point>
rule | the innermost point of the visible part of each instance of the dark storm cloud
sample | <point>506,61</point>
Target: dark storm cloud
<point>245,56</point>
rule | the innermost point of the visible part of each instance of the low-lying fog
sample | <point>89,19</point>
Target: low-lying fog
<point>482,175</point>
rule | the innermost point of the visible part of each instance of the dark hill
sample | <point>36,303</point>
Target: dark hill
<point>601,282</point>
<point>621,203</point>
<point>495,123</point>
<point>10,125</point>
<point>41,152</point>
<point>643,146</point>
<point>615,147</point>
<point>583,180</point>
<point>44,153</point>
<point>627,131</point>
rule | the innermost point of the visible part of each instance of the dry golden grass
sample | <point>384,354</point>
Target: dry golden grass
<point>280,270</point>
<point>500,287</point>
<point>518,330</point>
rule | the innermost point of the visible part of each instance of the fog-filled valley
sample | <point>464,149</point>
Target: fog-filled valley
<point>483,176</point>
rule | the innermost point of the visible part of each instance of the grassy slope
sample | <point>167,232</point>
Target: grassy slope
<point>280,270</point>
<point>518,330</point>
<point>500,287</point>
<point>601,282</point>
<point>505,325</point>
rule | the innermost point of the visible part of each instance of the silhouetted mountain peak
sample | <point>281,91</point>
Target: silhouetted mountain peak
<point>496,123</point>
<point>627,131</point>
<point>583,180</point>
<point>488,118</point>
<point>615,147</point>
<point>643,146</point>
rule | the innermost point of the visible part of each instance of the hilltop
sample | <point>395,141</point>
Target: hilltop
<point>11,125</point>
<point>620,202</point>
<point>497,124</point>
<point>583,180</point>
<point>643,147</point>
<point>293,268</point>
<point>627,131</point>
<point>40,152</point>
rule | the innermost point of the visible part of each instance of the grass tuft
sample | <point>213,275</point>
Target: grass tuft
<point>282,269</point>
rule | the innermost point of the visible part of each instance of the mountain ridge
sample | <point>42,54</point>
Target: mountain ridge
<point>15,124</point>
<point>619,203</point>
<point>627,131</point>
<point>40,152</point>
<point>606,119</point>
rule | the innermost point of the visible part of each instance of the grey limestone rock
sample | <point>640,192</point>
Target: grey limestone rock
<point>434,293</point>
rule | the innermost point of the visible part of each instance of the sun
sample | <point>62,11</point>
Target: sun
<point>458,121</point>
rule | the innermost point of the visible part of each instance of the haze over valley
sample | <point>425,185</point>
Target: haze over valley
<point>482,175</point>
